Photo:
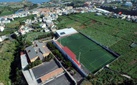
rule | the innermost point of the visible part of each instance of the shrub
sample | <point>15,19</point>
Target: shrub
<point>49,57</point>
<point>33,64</point>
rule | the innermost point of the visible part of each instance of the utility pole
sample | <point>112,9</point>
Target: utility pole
<point>79,56</point>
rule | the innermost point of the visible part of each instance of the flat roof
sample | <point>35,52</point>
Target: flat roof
<point>41,49</point>
<point>24,61</point>
<point>44,68</point>
<point>31,52</point>
<point>29,78</point>
<point>102,10</point>
<point>62,80</point>
<point>41,46</point>
<point>66,31</point>
<point>51,74</point>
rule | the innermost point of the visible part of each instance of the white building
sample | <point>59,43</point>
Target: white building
<point>49,23</point>
<point>43,25</point>
<point>24,29</point>
<point>65,32</point>
<point>102,10</point>
<point>129,4</point>
<point>2,38</point>
<point>1,28</point>
<point>46,30</point>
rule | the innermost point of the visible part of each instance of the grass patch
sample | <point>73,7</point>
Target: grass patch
<point>6,57</point>
<point>17,22</point>
<point>34,35</point>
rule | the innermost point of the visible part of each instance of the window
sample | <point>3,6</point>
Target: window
<point>62,33</point>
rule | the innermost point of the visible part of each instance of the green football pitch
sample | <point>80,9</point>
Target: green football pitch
<point>91,55</point>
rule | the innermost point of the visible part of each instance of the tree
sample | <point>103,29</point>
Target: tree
<point>68,63</point>
<point>50,46</point>
<point>60,56</point>
<point>14,36</point>
<point>23,42</point>
<point>0,12</point>
<point>35,63</point>
<point>22,23</point>
<point>56,52</point>
<point>90,76</point>
<point>19,78</point>
<point>49,57</point>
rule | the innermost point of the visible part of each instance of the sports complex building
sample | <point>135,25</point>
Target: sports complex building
<point>85,54</point>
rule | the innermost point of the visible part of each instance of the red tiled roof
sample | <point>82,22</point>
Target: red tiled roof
<point>44,10</point>
<point>51,74</point>
<point>72,55</point>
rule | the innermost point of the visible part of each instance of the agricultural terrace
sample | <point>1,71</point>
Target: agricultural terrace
<point>91,55</point>
<point>114,33</point>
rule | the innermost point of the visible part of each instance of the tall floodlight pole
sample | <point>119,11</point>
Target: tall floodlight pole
<point>60,41</point>
<point>79,56</point>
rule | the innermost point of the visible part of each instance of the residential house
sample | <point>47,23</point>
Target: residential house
<point>10,18</point>
<point>128,4</point>
<point>49,23</point>
<point>35,12</point>
<point>44,10</point>
<point>14,16</point>
<point>69,7</point>
<point>41,49</point>
<point>28,21</point>
<point>35,20</point>
<point>16,33</point>
<point>46,30</point>
<point>1,28</point>
<point>49,17</point>
<point>53,28</point>
<point>87,3</point>
<point>24,29</point>
<point>2,38</point>
<point>59,12</point>
<point>44,19</point>
<point>98,14</point>
<point>40,20</point>
<point>43,25</point>
<point>32,55</point>
<point>54,16</point>
<point>37,51</point>
<point>4,20</point>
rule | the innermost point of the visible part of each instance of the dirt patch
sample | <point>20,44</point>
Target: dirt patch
<point>93,21</point>
<point>133,62</point>
<point>82,26</point>
<point>135,33</point>
<point>1,84</point>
